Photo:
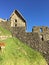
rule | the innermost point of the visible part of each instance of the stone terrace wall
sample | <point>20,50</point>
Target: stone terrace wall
<point>30,38</point>
<point>5,25</point>
<point>27,37</point>
<point>45,50</point>
<point>33,40</point>
<point>43,31</point>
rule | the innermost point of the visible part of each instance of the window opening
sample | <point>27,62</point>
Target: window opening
<point>15,22</point>
<point>41,37</point>
<point>41,30</point>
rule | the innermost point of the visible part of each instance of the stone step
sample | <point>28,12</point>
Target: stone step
<point>5,37</point>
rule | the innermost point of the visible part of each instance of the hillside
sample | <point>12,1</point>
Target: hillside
<point>17,53</point>
<point>3,31</point>
<point>4,34</point>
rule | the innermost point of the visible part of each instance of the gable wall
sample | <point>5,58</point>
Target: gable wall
<point>32,39</point>
<point>20,22</point>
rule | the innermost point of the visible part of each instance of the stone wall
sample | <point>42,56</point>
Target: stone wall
<point>40,29</point>
<point>45,50</point>
<point>16,20</point>
<point>30,38</point>
<point>43,31</point>
<point>3,37</point>
<point>33,40</point>
<point>5,25</point>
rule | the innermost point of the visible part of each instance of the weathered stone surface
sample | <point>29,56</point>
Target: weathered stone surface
<point>5,37</point>
<point>38,39</point>
<point>33,40</point>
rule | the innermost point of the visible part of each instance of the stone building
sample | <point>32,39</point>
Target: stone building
<point>38,39</point>
<point>17,19</point>
<point>17,22</point>
<point>2,20</point>
<point>43,32</point>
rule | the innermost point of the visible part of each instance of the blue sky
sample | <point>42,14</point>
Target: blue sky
<point>36,12</point>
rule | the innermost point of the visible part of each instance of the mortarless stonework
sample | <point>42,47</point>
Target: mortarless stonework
<point>38,39</point>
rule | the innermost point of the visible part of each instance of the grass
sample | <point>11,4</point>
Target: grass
<point>3,31</point>
<point>17,53</point>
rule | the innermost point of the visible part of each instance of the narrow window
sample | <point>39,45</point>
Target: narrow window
<point>41,37</point>
<point>15,22</point>
<point>41,30</point>
<point>15,25</point>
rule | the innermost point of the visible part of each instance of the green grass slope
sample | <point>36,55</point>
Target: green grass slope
<point>3,31</point>
<point>17,53</point>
